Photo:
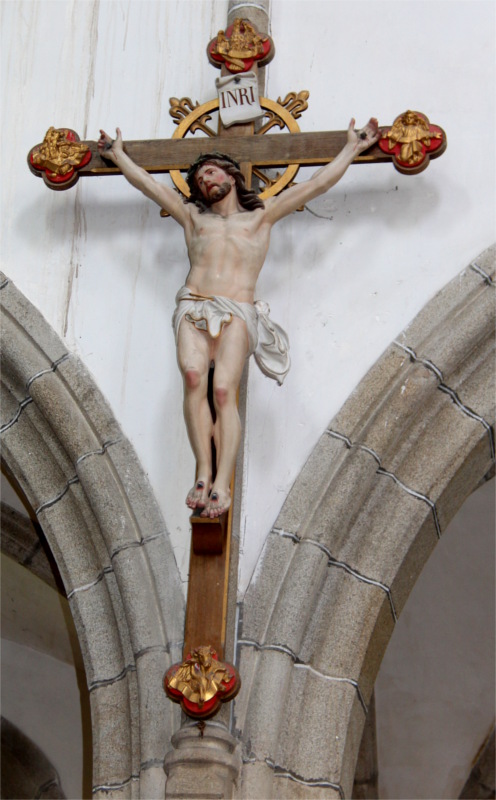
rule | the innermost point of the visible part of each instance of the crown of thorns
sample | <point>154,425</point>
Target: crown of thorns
<point>204,159</point>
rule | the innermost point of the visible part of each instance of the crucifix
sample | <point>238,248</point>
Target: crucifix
<point>217,324</point>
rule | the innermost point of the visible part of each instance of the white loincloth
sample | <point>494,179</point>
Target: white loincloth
<point>267,340</point>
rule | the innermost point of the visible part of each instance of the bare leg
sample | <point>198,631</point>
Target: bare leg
<point>194,356</point>
<point>230,354</point>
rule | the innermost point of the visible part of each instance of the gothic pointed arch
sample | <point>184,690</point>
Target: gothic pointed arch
<point>62,445</point>
<point>393,467</point>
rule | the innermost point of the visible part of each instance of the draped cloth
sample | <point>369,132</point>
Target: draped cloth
<point>268,342</point>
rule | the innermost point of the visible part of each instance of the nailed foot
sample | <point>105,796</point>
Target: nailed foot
<point>198,496</point>
<point>217,503</point>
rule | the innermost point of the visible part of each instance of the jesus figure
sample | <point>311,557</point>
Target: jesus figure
<point>216,321</point>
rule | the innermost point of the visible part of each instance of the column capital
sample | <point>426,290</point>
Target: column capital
<point>202,766</point>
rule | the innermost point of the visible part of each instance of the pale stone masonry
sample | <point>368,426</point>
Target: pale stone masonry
<point>386,476</point>
<point>411,443</point>
<point>102,523</point>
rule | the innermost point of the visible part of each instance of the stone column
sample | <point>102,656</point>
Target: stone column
<point>257,11</point>
<point>202,766</point>
<point>258,14</point>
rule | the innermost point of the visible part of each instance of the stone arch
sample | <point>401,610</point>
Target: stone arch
<point>409,445</point>
<point>91,497</point>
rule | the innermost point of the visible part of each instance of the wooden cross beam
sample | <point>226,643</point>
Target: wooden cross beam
<point>62,159</point>
<point>271,150</point>
<point>409,144</point>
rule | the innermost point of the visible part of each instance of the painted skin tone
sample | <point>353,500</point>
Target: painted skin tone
<point>227,246</point>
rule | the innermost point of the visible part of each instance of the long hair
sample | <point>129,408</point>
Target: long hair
<point>247,197</point>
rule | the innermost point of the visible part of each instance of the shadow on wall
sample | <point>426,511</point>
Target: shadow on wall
<point>42,665</point>
<point>26,771</point>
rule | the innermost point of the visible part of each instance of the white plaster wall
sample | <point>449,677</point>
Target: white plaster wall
<point>344,287</point>
<point>40,695</point>
<point>103,267</point>
<point>435,689</point>
<point>43,686</point>
<point>35,615</point>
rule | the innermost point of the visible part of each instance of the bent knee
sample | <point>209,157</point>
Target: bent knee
<point>223,395</point>
<point>192,378</point>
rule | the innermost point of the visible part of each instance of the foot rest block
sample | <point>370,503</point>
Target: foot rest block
<point>207,535</point>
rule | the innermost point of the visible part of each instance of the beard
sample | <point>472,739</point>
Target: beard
<point>218,193</point>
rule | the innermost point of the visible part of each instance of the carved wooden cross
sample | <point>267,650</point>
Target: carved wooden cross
<point>261,151</point>
<point>61,160</point>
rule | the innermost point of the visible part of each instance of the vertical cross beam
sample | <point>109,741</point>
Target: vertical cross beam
<point>211,540</point>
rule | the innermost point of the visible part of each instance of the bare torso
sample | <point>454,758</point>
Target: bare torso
<point>227,245</point>
<point>226,253</point>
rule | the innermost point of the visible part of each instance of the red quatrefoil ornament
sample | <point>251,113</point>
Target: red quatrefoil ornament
<point>239,46</point>
<point>412,141</point>
<point>201,683</point>
<point>58,158</point>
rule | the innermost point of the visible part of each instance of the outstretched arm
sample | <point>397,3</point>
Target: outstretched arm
<point>325,177</point>
<point>166,197</point>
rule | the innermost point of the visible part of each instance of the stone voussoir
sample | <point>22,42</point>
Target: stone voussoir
<point>453,321</point>
<point>11,408</point>
<point>116,734</point>
<point>50,396</point>
<point>120,617</point>
<point>348,610</point>
<point>134,483</point>
<point>420,463</point>
<point>303,580</point>
<point>116,521</point>
<point>257,781</point>
<point>270,685</point>
<point>400,408</point>
<point>32,451</point>
<point>347,489</point>
<point>162,566</point>
<point>383,378</point>
<point>486,261</point>
<point>41,338</point>
<point>465,476</point>
<point>385,519</point>
<point>470,382</point>
<point>247,661</point>
<point>82,391</point>
<point>277,553</point>
<point>78,550</point>
<point>294,788</point>
<point>311,483</point>
<point>162,717</point>
<point>99,637</point>
<point>320,758</point>
<point>139,597</point>
<point>409,568</point>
